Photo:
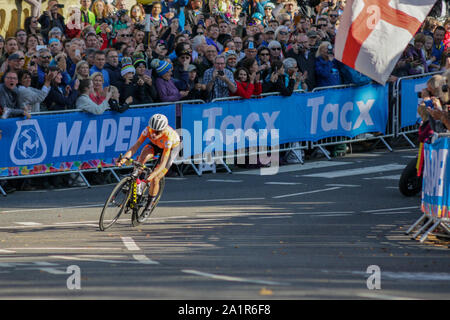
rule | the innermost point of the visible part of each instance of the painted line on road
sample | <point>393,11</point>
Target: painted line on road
<point>224,180</point>
<point>60,208</point>
<point>332,215</point>
<point>6,251</point>
<point>391,177</point>
<point>211,200</point>
<point>130,244</point>
<point>295,167</point>
<point>306,192</point>
<point>144,259</point>
<point>234,279</point>
<point>283,183</point>
<point>357,171</point>
<point>343,185</point>
<point>390,209</point>
<point>29,223</point>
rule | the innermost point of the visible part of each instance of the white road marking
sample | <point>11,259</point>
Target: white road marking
<point>392,177</point>
<point>343,185</point>
<point>283,183</point>
<point>60,208</point>
<point>52,270</point>
<point>295,167</point>
<point>224,180</point>
<point>211,200</point>
<point>228,278</point>
<point>357,171</point>
<point>29,223</point>
<point>130,244</point>
<point>306,192</point>
<point>6,251</point>
<point>390,209</point>
<point>332,215</point>
<point>144,259</point>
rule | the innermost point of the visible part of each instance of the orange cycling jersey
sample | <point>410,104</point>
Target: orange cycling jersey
<point>167,141</point>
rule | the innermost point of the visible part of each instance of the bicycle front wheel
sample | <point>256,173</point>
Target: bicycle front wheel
<point>116,204</point>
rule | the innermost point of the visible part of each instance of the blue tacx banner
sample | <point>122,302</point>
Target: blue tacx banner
<point>409,100</point>
<point>71,141</point>
<point>300,117</point>
<point>436,179</point>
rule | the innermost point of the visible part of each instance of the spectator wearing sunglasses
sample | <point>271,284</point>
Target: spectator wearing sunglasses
<point>43,62</point>
<point>276,52</point>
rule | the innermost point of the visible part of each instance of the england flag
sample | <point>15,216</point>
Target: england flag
<point>373,33</point>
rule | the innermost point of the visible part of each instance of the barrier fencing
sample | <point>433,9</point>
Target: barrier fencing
<point>300,138</point>
<point>436,190</point>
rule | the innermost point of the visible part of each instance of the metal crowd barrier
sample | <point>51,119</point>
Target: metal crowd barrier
<point>429,221</point>
<point>411,129</point>
<point>392,131</point>
<point>321,144</point>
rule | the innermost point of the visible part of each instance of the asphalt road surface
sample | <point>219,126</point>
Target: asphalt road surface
<point>321,230</point>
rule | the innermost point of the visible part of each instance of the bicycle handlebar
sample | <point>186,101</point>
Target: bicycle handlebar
<point>134,162</point>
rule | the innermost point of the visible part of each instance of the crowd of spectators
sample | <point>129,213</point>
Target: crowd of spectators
<point>186,49</point>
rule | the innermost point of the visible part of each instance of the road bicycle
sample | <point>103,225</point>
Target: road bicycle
<point>130,196</point>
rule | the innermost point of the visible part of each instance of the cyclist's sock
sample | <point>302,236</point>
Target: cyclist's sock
<point>150,201</point>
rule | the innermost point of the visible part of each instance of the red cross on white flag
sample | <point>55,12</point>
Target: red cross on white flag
<point>373,33</point>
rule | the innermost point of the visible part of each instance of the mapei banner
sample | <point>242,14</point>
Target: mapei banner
<point>409,100</point>
<point>229,125</point>
<point>71,141</point>
<point>436,179</point>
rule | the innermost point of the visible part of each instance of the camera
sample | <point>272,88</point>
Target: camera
<point>60,6</point>
<point>121,13</point>
<point>330,49</point>
<point>220,73</point>
<point>330,3</point>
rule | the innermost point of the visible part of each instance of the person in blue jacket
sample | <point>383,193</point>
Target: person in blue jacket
<point>171,9</point>
<point>327,67</point>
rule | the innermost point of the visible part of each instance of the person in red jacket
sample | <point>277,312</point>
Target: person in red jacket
<point>248,85</point>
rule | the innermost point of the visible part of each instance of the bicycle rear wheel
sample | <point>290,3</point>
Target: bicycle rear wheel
<point>116,204</point>
<point>139,215</point>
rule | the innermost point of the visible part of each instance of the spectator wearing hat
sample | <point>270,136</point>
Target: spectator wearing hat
<point>143,79</point>
<point>250,49</point>
<point>99,66</point>
<point>175,10</point>
<point>165,84</point>
<point>15,62</point>
<point>268,13</point>
<point>257,18</point>
<point>197,91</point>
<point>181,64</point>
<point>313,40</point>
<point>268,35</point>
<point>127,87</point>
<point>231,60</point>
<point>218,80</point>
<point>51,19</point>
